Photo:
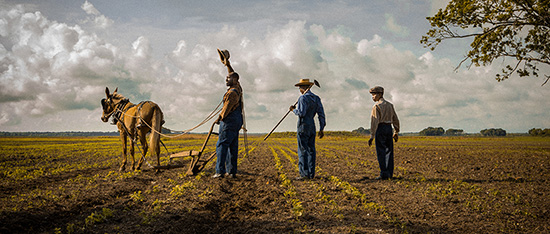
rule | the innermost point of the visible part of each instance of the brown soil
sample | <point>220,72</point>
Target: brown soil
<point>442,185</point>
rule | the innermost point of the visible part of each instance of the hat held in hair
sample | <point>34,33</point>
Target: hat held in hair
<point>376,89</point>
<point>304,82</point>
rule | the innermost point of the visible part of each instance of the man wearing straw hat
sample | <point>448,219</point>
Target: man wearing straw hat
<point>308,105</point>
<point>231,121</point>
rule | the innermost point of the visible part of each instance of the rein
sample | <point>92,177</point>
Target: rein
<point>212,114</point>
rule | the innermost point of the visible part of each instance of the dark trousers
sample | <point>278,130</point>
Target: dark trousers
<point>306,151</point>
<point>384,150</point>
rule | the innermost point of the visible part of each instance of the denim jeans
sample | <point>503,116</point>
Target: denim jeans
<point>227,147</point>
<point>306,150</point>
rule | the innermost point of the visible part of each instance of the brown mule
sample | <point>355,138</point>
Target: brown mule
<point>134,121</point>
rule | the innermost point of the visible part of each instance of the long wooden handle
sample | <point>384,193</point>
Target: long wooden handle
<point>208,137</point>
<point>277,125</point>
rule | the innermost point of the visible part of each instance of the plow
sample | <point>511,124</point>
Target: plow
<point>196,165</point>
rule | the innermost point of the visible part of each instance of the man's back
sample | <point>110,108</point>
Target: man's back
<point>310,104</point>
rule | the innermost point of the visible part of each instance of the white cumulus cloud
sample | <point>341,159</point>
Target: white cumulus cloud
<point>95,16</point>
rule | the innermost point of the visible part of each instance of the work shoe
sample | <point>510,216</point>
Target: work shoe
<point>301,178</point>
<point>231,176</point>
<point>217,175</point>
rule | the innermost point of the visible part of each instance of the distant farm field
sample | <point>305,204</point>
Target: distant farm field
<point>443,185</point>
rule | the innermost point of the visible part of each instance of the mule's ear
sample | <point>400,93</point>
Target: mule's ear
<point>107,91</point>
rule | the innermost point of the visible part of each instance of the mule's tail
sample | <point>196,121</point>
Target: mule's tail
<point>154,139</point>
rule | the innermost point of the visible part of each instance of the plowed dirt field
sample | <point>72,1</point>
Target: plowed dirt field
<point>442,185</point>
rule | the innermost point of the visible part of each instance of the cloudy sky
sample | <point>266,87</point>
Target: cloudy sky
<point>57,57</point>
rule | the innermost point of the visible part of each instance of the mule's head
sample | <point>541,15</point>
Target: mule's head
<point>109,104</point>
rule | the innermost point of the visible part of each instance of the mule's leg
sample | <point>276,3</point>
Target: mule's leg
<point>157,152</point>
<point>132,152</point>
<point>143,141</point>
<point>124,148</point>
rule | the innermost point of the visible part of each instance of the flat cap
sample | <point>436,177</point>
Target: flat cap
<point>376,89</point>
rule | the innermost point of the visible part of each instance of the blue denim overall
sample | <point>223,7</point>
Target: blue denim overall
<point>227,147</point>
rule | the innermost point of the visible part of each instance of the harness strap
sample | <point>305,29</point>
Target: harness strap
<point>119,111</point>
<point>240,100</point>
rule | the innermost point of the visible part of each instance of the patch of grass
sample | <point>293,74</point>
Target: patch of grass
<point>98,217</point>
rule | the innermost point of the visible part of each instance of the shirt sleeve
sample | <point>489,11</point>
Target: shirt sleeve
<point>301,107</point>
<point>230,101</point>
<point>321,115</point>
<point>395,120</point>
<point>374,120</point>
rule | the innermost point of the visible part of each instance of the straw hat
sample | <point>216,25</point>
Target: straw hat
<point>304,82</point>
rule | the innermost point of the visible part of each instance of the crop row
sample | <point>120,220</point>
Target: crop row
<point>290,192</point>
<point>326,201</point>
<point>366,204</point>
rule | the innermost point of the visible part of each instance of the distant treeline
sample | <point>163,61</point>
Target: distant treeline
<point>56,134</point>
<point>429,131</point>
<point>539,132</point>
<point>362,131</point>
<point>439,131</point>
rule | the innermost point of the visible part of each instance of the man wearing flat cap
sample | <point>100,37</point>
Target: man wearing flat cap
<point>231,121</point>
<point>383,116</point>
<point>307,107</point>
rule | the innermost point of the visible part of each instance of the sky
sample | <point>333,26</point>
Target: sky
<point>57,58</point>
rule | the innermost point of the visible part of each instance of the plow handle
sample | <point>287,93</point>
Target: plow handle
<point>193,167</point>
<point>208,137</point>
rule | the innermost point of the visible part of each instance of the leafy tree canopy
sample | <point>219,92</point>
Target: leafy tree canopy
<point>431,131</point>
<point>493,132</point>
<point>518,29</point>
<point>539,132</point>
<point>454,132</point>
<point>362,131</point>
